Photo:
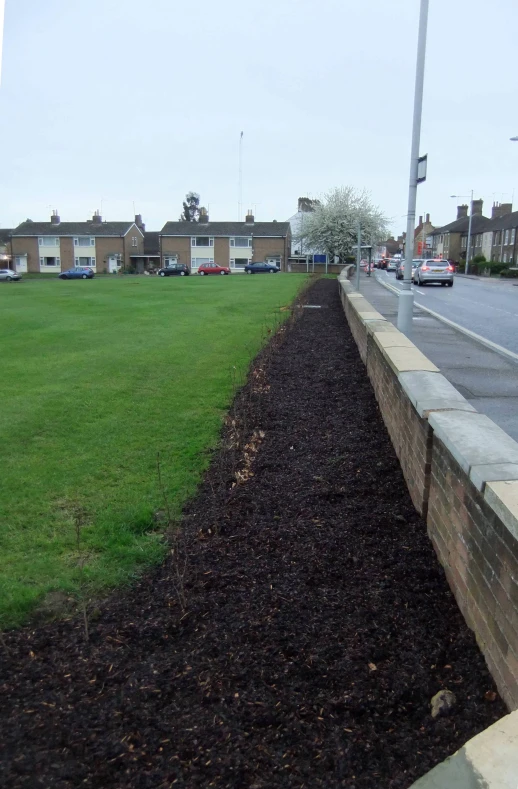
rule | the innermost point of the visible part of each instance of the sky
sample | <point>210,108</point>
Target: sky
<point>123,106</point>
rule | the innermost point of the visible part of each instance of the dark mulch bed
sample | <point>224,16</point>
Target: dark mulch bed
<point>318,622</point>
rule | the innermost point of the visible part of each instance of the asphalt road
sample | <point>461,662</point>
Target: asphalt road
<point>487,307</point>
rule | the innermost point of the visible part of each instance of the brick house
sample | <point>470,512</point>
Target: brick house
<point>499,239</point>
<point>422,233</point>
<point>232,244</point>
<point>450,241</point>
<point>55,246</point>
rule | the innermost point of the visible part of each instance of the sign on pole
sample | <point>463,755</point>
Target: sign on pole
<point>422,164</point>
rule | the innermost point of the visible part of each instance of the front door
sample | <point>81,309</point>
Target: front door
<point>113,264</point>
<point>20,264</point>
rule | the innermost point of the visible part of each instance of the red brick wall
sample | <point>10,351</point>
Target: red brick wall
<point>480,559</point>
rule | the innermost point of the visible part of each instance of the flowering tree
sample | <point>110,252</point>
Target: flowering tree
<point>332,226</point>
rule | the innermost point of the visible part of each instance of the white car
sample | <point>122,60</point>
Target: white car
<point>8,275</point>
<point>392,264</point>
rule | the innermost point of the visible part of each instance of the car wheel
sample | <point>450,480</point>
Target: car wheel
<point>223,272</point>
<point>8,279</point>
<point>182,273</point>
<point>201,273</point>
<point>271,271</point>
<point>248,272</point>
<point>84,276</point>
<point>450,284</point>
<point>162,273</point>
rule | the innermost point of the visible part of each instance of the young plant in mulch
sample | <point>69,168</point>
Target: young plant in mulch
<point>179,552</point>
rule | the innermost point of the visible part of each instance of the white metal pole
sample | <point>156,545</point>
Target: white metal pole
<point>468,245</point>
<point>358,256</point>
<point>240,184</point>
<point>406,296</point>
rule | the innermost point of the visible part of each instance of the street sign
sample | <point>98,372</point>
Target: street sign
<point>422,163</point>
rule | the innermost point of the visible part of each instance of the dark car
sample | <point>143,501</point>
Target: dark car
<point>261,268</point>
<point>174,270</point>
<point>77,273</point>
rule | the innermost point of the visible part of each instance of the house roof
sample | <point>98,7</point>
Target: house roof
<point>73,229</point>
<point>505,222</point>
<point>478,224</point>
<point>151,243</point>
<point>226,229</point>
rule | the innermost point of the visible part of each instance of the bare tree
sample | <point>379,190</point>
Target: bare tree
<point>191,208</point>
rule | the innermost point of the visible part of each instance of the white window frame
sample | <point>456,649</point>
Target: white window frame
<point>240,267</point>
<point>90,239</point>
<point>241,246</point>
<point>42,239</point>
<point>204,261</point>
<point>55,265</point>
<point>194,239</point>
<point>513,235</point>
<point>134,241</point>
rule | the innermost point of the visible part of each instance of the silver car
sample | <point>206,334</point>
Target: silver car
<point>400,269</point>
<point>9,276</point>
<point>434,271</point>
<point>392,264</point>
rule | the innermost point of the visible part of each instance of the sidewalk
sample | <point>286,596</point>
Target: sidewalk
<point>488,380</point>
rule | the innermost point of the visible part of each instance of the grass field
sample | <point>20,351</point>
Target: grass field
<point>97,378</point>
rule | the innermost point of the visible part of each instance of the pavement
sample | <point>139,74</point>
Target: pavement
<point>486,378</point>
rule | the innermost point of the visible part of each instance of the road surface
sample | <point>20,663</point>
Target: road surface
<point>487,307</point>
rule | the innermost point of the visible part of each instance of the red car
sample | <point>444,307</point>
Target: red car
<point>212,268</point>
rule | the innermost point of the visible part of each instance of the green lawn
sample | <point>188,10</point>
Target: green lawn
<point>97,377</point>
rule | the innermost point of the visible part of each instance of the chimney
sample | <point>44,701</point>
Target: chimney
<point>420,221</point>
<point>428,219</point>
<point>54,219</point>
<point>97,218</point>
<point>139,223</point>
<point>476,207</point>
<point>501,209</point>
<point>249,218</point>
<point>204,217</point>
<point>462,211</point>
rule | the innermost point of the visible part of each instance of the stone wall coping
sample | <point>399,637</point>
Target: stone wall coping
<point>379,326</point>
<point>475,442</point>
<point>502,497</point>
<point>403,360</point>
<point>392,339</point>
<point>481,475</point>
<point>429,391</point>
<point>490,759</point>
<point>367,315</point>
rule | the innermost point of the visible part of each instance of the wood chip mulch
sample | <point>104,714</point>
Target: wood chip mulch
<point>316,627</point>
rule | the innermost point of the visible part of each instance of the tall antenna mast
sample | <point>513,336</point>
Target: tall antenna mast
<point>240,183</point>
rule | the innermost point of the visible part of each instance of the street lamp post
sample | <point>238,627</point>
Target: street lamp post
<point>406,295</point>
<point>468,244</point>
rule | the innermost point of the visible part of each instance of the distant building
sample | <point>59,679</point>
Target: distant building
<point>450,241</point>
<point>422,238</point>
<point>55,246</point>
<point>232,244</point>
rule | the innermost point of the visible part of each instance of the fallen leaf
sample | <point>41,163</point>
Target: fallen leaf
<point>490,695</point>
<point>373,667</point>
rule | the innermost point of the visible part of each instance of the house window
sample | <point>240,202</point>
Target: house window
<point>84,242</point>
<point>505,257</point>
<point>202,241</point>
<point>195,262</point>
<point>513,235</point>
<point>50,262</point>
<point>506,238</point>
<point>134,241</point>
<point>238,262</point>
<point>48,242</point>
<point>463,242</point>
<point>85,262</point>
<point>242,241</point>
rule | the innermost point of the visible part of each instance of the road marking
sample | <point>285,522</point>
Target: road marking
<point>474,336</point>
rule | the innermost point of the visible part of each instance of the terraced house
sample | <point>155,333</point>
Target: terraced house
<point>55,246</point>
<point>232,244</point>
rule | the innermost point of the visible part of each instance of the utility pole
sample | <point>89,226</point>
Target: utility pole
<point>406,296</point>
<point>240,180</point>
<point>358,256</point>
<point>468,245</point>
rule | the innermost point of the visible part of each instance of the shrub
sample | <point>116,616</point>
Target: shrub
<point>509,273</point>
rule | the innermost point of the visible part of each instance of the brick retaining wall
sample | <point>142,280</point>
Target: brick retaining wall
<point>462,474</point>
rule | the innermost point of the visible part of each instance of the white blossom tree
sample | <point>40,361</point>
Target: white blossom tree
<point>332,226</point>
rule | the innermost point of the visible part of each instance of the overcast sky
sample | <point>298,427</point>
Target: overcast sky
<point>110,103</point>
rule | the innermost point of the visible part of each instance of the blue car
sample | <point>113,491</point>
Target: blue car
<point>261,268</point>
<point>77,273</point>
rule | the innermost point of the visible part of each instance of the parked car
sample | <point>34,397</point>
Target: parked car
<point>8,275</point>
<point>434,271</point>
<point>174,270</point>
<point>77,273</point>
<point>391,265</point>
<point>212,268</point>
<point>261,268</point>
<point>400,268</point>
